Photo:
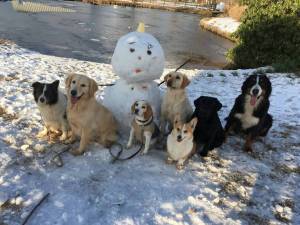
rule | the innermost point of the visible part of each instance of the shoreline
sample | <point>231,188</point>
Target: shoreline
<point>222,26</point>
<point>168,6</point>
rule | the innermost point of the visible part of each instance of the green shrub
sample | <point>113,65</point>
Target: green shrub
<point>269,35</point>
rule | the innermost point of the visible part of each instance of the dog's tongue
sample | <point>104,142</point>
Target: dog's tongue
<point>253,100</point>
<point>74,100</point>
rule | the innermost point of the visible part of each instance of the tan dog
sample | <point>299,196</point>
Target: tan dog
<point>175,100</point>
<point>143,128</point>
<point>88,119</point>
<point>180,142</point>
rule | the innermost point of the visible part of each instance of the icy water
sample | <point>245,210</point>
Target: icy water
<point>92,32</point>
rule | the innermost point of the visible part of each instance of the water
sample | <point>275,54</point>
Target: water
<point>92,32</point>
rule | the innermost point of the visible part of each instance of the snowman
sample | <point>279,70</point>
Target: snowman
<point>138,60</point>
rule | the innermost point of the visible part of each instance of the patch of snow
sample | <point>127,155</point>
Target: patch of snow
<point>228,187</point>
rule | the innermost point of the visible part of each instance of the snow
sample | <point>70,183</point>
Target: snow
<point>138,59</point>
<point>229,187</point>
<point>226,25</point>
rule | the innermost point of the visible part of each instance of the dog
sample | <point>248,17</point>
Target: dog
<point>249,114</point>
<point>88,119</point>
<point>52,104</point>
<point>175,100</point>
<point>180,142</point>
<point>143,128</point>
<point>209,130</point>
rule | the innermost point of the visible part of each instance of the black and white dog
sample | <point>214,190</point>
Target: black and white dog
<point>249,114</point>
<point>209,130</point>
<point>52,104</point>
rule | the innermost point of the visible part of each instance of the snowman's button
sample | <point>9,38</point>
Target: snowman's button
<point>132,88</point>
<point>144,87</point>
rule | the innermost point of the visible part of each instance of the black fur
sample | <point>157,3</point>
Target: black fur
<point>50,93</point>
<point>209,130</point>
<point>260,112</point>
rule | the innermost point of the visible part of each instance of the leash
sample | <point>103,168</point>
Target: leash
<point>178,68</point>
<point>117,157</point>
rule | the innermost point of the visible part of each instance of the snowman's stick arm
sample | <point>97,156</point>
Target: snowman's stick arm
<point>178,68</point>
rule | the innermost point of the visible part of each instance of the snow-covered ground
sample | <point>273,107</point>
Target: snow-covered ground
<point>224,26</point>
<point>229,187</point>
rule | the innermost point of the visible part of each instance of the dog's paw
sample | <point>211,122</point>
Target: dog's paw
<point>76,152</point>
<point>41,134</point>
<point>169,160</point>
<point>63,138</point>
<point>179,166</point>
<point>128,146</point>
<point>144,152</point>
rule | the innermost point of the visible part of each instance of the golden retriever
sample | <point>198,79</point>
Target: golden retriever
<point>175,100</point>
<point>88,119</point>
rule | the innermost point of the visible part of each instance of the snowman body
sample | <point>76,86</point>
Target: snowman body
<point>138,59</point>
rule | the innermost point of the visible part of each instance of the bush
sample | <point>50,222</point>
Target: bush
<point>269,35</point>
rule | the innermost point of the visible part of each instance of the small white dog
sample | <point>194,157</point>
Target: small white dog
<point>180,142</point>
<point>175,100</point>
<point>52,104</point>
<point>143,128</point>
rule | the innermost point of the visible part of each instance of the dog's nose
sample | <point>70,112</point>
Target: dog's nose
<point>179,137</point>
<point>42,99</point>
<point>136,111</point>
<point>255,91</point>
<point>73,93</point>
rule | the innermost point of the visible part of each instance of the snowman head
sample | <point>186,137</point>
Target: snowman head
<point>138,57</point>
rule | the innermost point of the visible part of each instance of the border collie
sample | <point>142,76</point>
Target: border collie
<point>209,130</point>
<point>249,114</point>
<point>52,104</point>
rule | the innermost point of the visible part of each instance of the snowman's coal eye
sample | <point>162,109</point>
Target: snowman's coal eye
<point>131,49</point>
<point>136,104</point>
<point>149,52</point>
<point>143,107</point>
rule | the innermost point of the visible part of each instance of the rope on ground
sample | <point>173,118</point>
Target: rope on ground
<point>34,208</point>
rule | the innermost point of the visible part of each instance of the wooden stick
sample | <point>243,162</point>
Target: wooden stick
<point>32,211</point>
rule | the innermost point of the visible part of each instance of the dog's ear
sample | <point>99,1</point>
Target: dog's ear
<point>193,123</point>
<point>218,104</point>
<point>198,101</point>
<point>166,77</point>
<point>93,87</point>
<point>68,80</point>
<point>35,84</point>
<point>185,81</point>
<point>177,119</point>
<point>56,83</point>
<point>133,107</point>
<point>148,112</point>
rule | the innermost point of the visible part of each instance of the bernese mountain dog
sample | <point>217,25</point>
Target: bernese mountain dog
<point>249,114</point>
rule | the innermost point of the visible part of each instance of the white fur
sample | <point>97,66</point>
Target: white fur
<point>179,150</point>
<point>53,116</point>
<point>247,118</point>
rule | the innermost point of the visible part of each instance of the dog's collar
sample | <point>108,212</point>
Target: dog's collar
<point>144,122</point>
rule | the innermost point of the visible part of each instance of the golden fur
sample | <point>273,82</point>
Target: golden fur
<point>175,100</point>
<point>88,119</point>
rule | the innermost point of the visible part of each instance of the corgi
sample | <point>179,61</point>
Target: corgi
<point>180,142</point>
